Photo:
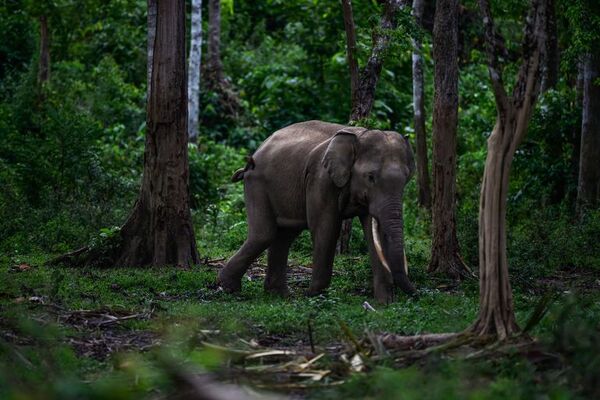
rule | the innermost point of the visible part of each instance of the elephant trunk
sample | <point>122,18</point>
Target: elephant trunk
<point>388,240</point>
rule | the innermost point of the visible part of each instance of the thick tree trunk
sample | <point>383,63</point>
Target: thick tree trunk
<point>496,312</point>
<point>445,257</point>
<point>214,65</point>
<point>588,188</point>
<point>159,230</point>
<point>44,62</point>
<point>194,70</point>
<point>423,183</point>
<point>151,22</point>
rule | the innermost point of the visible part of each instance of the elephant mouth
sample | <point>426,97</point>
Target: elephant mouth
<point>379,248</point>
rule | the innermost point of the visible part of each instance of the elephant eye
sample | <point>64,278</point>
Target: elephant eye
<point>371,177</point>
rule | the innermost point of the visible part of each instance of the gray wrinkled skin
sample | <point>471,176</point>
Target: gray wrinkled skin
<point>312,175</point>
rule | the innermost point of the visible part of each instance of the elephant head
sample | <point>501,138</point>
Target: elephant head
<point>371,168</point>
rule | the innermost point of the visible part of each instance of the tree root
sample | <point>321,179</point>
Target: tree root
<point>451,266</point>
<point>408,350</point>
<point>96,255</point>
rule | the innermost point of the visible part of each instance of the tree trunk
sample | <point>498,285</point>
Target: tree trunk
<point>351,47</point>
<point>423,182</point>
<point>363,84</point>
<point>343,245</point>
<point>150,45</point>
<point>44,62</point>
<point>214,66</point>
<point>551,61</point>
<point>496,312</point>
<point>367,83</point>
<point>588,187</point>
<point>445,257</point>
<point>194,70</point>
<point>159,230</point>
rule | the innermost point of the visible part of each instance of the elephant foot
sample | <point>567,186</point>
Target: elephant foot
<point>229,284</point>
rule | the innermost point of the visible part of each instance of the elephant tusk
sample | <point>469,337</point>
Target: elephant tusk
<point>377,243</point>
<point>405,263</point>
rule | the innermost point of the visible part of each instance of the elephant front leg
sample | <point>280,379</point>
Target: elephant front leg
<point>383,284</point>
<point>324,236</point>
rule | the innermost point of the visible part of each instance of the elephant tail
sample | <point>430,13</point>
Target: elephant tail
<point>239,174</point>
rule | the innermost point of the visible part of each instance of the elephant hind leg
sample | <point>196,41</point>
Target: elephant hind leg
<point>275,281</point>
<point>262,231</point>
<point>230,277</point>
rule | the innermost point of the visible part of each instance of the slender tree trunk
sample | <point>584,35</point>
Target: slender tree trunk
<point>551,63</point>
<point>576,133</point>
<point>214,65</point>
<point>588,188</point>
<point>364,83</point>
<point>151,22</point>
<point>445,257</point>
<point>194,70</point>
<point>496,311</point>
<point>423,182</point>
<point>351,47</point>
<point>343,244</point>
<point>159,230</point>
<point>44,62</point>
<point>367,83</point>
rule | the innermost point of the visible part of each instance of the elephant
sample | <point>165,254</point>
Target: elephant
<point>312,175</point>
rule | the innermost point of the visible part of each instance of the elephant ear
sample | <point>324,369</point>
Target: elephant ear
<point>339,156</point>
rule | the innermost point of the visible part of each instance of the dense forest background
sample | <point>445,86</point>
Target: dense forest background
<point>72,156</point>
<point>72,149</point>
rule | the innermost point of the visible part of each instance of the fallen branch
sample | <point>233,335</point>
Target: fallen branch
<point>397,342</point>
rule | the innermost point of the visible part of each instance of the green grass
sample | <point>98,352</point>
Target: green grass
<point>184,302</point>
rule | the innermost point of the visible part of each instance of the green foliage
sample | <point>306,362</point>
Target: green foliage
<point>71,157</point>
<point>583,19</point>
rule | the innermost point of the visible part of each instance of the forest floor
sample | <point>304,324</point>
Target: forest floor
<point>106,331</point>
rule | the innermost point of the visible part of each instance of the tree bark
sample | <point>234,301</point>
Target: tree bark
<point>496,311</point>
<point>445,257</point>
<point>351,47</point>
<point>551,62</point>
<point>367,83</point>
<point>159,230</point>
<point>44,62</point>
<point>214,66</point>
<point>588,188</point>
<point>150,45</point>
<point>423,182</point>
<point>194,70</point>
<point>363,83</point>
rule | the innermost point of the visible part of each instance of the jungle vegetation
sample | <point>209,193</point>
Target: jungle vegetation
<point>109,254</point>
